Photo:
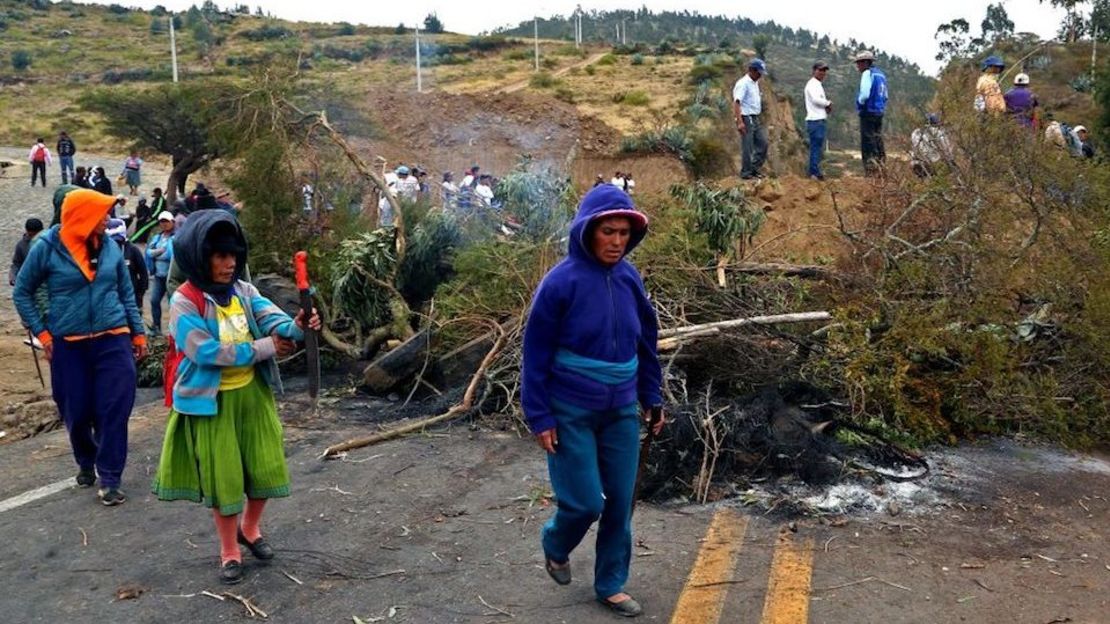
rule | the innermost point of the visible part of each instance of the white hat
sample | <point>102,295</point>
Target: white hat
<point>865,55</point>
<point>1021,79</point>
<point>1079,129</point>
<point>165,215</point>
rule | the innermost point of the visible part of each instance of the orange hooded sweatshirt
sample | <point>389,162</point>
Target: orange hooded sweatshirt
<point>82,211</point>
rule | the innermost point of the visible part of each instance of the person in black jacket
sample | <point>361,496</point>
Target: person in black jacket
<point>133,258</point>
<point>32,228</point>
<point>66,150</point>
<point>101,183</point>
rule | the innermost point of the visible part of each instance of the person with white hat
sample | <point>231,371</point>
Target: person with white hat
<point>1021,102</point>
<point>1081,142</point>
<point>871,104</point>
<point>159,255</point>
<point>747,105</point>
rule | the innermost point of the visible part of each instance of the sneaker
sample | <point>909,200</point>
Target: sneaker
<point>86,478</point>
<point>111,497</point>
<point>819,178</point>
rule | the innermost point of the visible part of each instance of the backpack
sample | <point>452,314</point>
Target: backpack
<point>39,155</point>
<point>173,356</point>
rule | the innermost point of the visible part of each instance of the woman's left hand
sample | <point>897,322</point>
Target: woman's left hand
<point>313,322</point>
<point>659,425</point>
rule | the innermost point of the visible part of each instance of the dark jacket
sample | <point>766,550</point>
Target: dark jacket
<point>103,185</point>
<point>591,311</point>
<point>136,266</point>
<point>66,147</point>
<point>19,257</point>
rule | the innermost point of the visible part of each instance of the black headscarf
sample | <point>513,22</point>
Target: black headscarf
<point>205,232</point>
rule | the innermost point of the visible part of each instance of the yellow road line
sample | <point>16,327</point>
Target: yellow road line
<point>703,596</point>
<point>787,599</point>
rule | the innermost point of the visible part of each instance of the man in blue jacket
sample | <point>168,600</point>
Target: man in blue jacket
<point>871,104</point>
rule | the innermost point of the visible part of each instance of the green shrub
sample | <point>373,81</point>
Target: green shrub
<point>708,157</point>
<point>487,44</point>
<point>548,63</point>
<point>635,98</point>
<point>570,50</point>
<point>21,60</point>
<point>608,59</point>
<point>118,9</point>
<point>267,32</point>
<point>637,59</point>
<point>590,70</point>
<point>543,80</point>
<point>345,29</point>
<point>565,94</point>
<point>518,55</point>
<point>158,26</point>
<point>704,73</point>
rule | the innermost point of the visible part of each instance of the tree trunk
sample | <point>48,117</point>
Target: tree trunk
<point>182,167</point>
<point>722,262</point>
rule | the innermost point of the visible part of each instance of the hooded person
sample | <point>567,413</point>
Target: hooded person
<point>133,258</point>
<point>589,366</point>
<point>159,256</point>
<point>92,335</point>
<point>223,444</point>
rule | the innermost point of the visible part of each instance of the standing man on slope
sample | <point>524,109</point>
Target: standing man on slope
<point>39,157</point>
<point>871,104</point>
<point>66,150</point>
<point>818,108</point>
<point>747,104</point>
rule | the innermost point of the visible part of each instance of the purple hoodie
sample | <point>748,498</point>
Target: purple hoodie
<point>592,311</point>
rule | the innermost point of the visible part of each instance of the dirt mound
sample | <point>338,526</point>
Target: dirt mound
<point>450,132</point>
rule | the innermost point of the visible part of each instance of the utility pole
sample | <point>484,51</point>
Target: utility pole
<point>624,32</point>
<point>173,49</point>
<point>536,40</point>
<point>419,82</point>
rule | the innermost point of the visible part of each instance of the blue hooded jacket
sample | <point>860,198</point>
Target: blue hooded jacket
<point>586,316</point>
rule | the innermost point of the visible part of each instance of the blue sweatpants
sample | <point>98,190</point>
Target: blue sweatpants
<point>816,130</point>
<point>94,387</point>
<point>593,473</point>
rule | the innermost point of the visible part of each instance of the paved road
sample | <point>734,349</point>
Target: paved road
<point>443,528</point>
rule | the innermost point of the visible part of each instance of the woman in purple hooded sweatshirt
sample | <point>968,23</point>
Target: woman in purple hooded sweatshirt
<point>590,366</point>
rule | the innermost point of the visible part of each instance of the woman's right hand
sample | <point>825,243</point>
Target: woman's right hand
<point>548,440</point>
<point>284,347</point>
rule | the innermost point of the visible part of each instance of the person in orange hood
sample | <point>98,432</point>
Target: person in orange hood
<point>92,334</point>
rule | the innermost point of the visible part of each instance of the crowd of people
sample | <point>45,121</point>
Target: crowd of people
<point>930,143</point>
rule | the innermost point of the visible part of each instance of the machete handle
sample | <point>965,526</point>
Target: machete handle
<point>300,268</point>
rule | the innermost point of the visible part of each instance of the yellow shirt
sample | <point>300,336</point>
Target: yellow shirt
<point>234,329</point>
<point>990,91</point>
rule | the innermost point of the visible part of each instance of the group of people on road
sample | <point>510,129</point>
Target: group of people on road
<point>74,290</point>
<point>94,177</point>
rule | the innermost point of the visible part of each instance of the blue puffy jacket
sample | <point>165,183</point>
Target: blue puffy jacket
<point>77,307</point>
<point>585,310</point>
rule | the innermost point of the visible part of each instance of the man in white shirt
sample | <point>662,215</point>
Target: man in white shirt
<point>483,190</point>
<point>471,177</point>
<point>408,187</point>
<point>747,105</point>
<point>818,108</point>
<point>618,180</point>
<point>929,147</point>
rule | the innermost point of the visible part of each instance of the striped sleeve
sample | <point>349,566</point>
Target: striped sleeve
<point>191,334</point>
<point>269,316</point>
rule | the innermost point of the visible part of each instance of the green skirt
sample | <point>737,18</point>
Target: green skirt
<point>221,460</point>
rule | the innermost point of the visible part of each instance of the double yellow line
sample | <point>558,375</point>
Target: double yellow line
<point>703,597</point>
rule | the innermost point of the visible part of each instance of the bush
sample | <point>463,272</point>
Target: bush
<point>3,23</point>
<point>608,59</point>
<point>570,50</point>
<point>708,157</point>
<point>635,98</point>
<point>704,73</point>
<point>118,9</point>
<point>337,52</point>
<point>543,80</point>
<point>21,60</point>
<point>517,55</point>
<point>565,94</point>
<point>548,63</point>
<point>345,29</point>
<point>590,70</point>
<point>448,59</point>
<point>267,32</point>
<point>487,44</point>
<point>158,26</point>
<point>637,59</point>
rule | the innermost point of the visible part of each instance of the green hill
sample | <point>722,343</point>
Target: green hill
<point>790,54</point>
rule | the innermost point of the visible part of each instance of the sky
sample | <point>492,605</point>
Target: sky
<point>899,27</point>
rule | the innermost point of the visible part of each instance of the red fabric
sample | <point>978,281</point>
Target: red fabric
<point>252,519</point>
<point>40,154</point>
<point>227,528</point>
<point>173,356</point>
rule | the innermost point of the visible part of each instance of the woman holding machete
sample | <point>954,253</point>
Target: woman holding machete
<point>223,444</point>
<point>589,365</point>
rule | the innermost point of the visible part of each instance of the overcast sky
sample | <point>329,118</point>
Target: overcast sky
<point>897,26</point>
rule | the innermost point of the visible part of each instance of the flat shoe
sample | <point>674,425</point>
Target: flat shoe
<point>231,573</point>
<point>561,575</point>
<point>625,608</point>
<point>261,549</point>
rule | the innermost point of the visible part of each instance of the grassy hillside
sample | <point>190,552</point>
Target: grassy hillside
<point>790,55</point>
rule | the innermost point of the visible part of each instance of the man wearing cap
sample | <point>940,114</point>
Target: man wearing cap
<point>132,257</point>
<point>988,93</point>
<point>1081,141</point>
<point>871,104</point>
<point>31,229</point>
<point>1021,102</point>
<point>159,255</point>
<point>747,104</point>
<point>818,108</point>
<point>408,187</point>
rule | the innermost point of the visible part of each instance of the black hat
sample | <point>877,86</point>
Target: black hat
<point>820,65</point>
<point>33,225</point>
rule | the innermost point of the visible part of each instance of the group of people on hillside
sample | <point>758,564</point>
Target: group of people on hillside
<point>623,180</point>
<point>931,144</point>
<point>871,100</point>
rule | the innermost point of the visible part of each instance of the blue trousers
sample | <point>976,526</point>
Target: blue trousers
<point>68,172</point>
<point>94,386</point>
<point>157,292</point>
<point>593,473</point>
<point>816,130</point>
<point>753,147</point>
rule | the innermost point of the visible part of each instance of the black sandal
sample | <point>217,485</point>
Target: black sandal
<point>231,573</point>
<point>625,608</point>
<point>560,575</point>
